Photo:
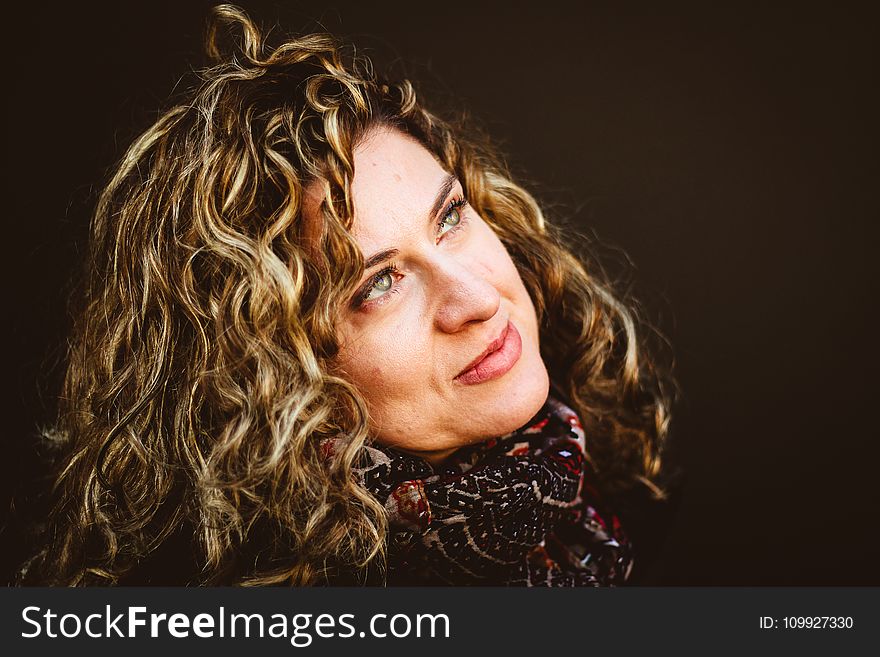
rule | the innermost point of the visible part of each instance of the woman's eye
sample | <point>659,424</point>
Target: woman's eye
<point>452,217</point>
<point>381,284</point>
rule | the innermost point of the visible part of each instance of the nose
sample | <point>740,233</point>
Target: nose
<point>464,295</point>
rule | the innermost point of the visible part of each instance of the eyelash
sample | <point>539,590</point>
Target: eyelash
<point>361,299</point>
<point>365,292</point>
<point>455,204</point>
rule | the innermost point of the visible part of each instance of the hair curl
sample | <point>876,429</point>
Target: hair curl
<point>199,384</point>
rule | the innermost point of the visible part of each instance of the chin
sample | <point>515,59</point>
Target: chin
<point>524,397</point>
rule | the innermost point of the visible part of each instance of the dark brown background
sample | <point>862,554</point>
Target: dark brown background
<point>731,152</point>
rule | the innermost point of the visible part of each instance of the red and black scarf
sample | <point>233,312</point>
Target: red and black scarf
<point>515,511</point>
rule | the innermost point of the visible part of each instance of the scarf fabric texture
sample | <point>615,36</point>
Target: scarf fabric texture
<point>518,510</point>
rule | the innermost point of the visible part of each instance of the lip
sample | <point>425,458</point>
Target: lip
<point>497,360</point>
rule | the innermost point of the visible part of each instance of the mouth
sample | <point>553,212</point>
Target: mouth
<point>497,359</point>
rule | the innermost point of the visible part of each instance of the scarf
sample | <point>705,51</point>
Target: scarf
<point>519,510</point>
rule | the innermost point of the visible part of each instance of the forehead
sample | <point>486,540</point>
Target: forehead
<point>395,182</point>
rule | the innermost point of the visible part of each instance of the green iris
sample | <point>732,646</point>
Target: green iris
<point>452,219</point>
<point>381,284</point>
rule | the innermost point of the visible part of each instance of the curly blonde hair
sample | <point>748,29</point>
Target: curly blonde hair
<point>199,385</point>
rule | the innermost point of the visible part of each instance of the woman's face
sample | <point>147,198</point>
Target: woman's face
<point>441,337</point>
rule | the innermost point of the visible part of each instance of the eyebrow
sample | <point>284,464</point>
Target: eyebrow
<point>380,257</point>
<point>443,191</point>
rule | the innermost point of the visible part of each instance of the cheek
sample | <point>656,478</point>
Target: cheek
<point>501,270</point>
<point>380,359</point>
<point>498,267</point>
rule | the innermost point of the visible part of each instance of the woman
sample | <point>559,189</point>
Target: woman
<point>324,338</point>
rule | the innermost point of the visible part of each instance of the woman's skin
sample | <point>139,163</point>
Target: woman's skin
<point>411,334</point>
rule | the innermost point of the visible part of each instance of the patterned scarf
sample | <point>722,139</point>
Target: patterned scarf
<point>514,511</point>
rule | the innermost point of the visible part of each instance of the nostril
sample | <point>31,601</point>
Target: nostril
<point>464,304</point>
